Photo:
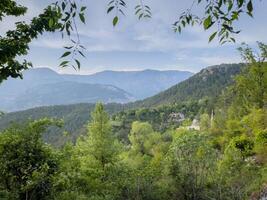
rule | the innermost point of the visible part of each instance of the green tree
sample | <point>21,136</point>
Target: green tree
<point>98,154</point>
<point>238,175</point>
<point>249,89</point>
<point>192,165</point>
<point>59,16</point>
<point>27,164</point>
<point>145,164</point>
<point>205,122</point>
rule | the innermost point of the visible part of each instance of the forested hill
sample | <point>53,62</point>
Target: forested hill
<point>209,82</point>
<point>75,118</point>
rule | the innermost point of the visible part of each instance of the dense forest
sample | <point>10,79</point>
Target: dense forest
<point>142,153</point>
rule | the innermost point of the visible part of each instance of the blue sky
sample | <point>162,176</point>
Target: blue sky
<point>146,44</point>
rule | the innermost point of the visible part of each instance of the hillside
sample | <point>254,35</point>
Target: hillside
<point>75,118</point>
<point>209,82</point>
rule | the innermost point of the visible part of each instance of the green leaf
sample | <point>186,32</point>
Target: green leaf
<point>212,36</point>
<point>78,63</point>
<point>235,15</point>
<point>240,3</point>
<point>63,5</point>
<point>81,53</point>
<point>121,12</point>
<point>83,8</point>
<point>65,54</point>
<point>115,20</point>
<point>207,22</point>
<point>232,39</point>
<point>137,11</point>
<point>51,23</point>
<point>250,6</point>
<point>110,9</point>
<point>70,47</point>
<point>64,63</point>
<point>82,18</point>
<point>179,29</point>
<point>230,6</point>
<point>111,2</point>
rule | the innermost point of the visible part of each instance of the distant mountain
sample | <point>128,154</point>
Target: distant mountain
<point>208,82</point>
<point>141,84</point>
<point>44,87</point>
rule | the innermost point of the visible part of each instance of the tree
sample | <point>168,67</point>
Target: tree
<point>241,118</point>
<point>144,161</point>
<point>238,175</point>
<point>192,165</point>
<point>27,165</point>
<point>56,17</point>
<point>249,90</point>
<point>97,155</point>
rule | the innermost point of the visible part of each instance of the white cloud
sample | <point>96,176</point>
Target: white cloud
<point>191,48</point>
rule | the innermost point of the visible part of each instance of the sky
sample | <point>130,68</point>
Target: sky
<point>139,45</point>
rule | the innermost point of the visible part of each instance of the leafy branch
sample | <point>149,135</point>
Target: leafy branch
<point>70,11</point>
<point>142,10</point>
<point>217,12</point>
<point>117,7</point>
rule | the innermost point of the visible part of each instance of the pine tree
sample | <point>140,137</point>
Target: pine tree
<point>98,155</point>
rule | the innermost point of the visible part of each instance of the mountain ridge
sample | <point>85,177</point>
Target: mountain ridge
<point>32,91</point>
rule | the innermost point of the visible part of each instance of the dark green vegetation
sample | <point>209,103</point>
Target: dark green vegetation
<point>74,116</point>
<point>224,157</point>
<point>209,83</point>
<point>190,97</point>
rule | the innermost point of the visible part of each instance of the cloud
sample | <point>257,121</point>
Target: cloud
<point>137,44</point>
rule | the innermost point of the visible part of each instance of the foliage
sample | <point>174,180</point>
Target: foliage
<point>225,160</point>
<point>26,163</point>
<point>208,83</point>
<point>192,165</point>
<point>221,14</point>
<point>59,16</point>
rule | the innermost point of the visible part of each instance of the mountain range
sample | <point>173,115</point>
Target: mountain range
<point>44,87</point>
<point>208,83</point>
<point>141,84</point>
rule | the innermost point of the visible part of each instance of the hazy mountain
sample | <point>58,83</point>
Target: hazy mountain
<point>43,87</point>
<point>141,84</point>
